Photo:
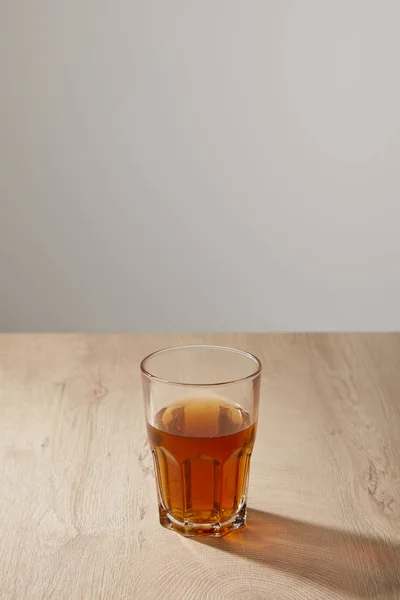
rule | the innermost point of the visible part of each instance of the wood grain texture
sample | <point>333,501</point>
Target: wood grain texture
<point>78,514</point>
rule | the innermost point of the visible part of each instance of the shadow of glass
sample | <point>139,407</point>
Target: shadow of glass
<point>357,564</point>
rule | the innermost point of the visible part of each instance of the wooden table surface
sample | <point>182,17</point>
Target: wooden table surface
<point>78,514</point>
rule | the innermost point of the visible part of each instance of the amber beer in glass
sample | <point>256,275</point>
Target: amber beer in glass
<point>201,406</point>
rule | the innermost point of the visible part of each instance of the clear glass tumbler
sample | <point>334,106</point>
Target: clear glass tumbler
<point>201,406</point>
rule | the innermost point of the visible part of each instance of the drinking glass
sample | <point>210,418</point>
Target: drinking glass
<point>201,405</point>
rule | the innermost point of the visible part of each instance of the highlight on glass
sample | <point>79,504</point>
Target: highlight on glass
<point>201,406</point>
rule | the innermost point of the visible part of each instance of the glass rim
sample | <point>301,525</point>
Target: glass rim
<point>153,377</point>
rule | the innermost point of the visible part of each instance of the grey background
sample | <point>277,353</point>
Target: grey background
<point>199,165</point>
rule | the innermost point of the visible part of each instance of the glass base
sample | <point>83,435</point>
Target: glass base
<point>216,530</point>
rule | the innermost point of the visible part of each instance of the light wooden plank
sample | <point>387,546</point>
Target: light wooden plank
<point>78,514</point>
